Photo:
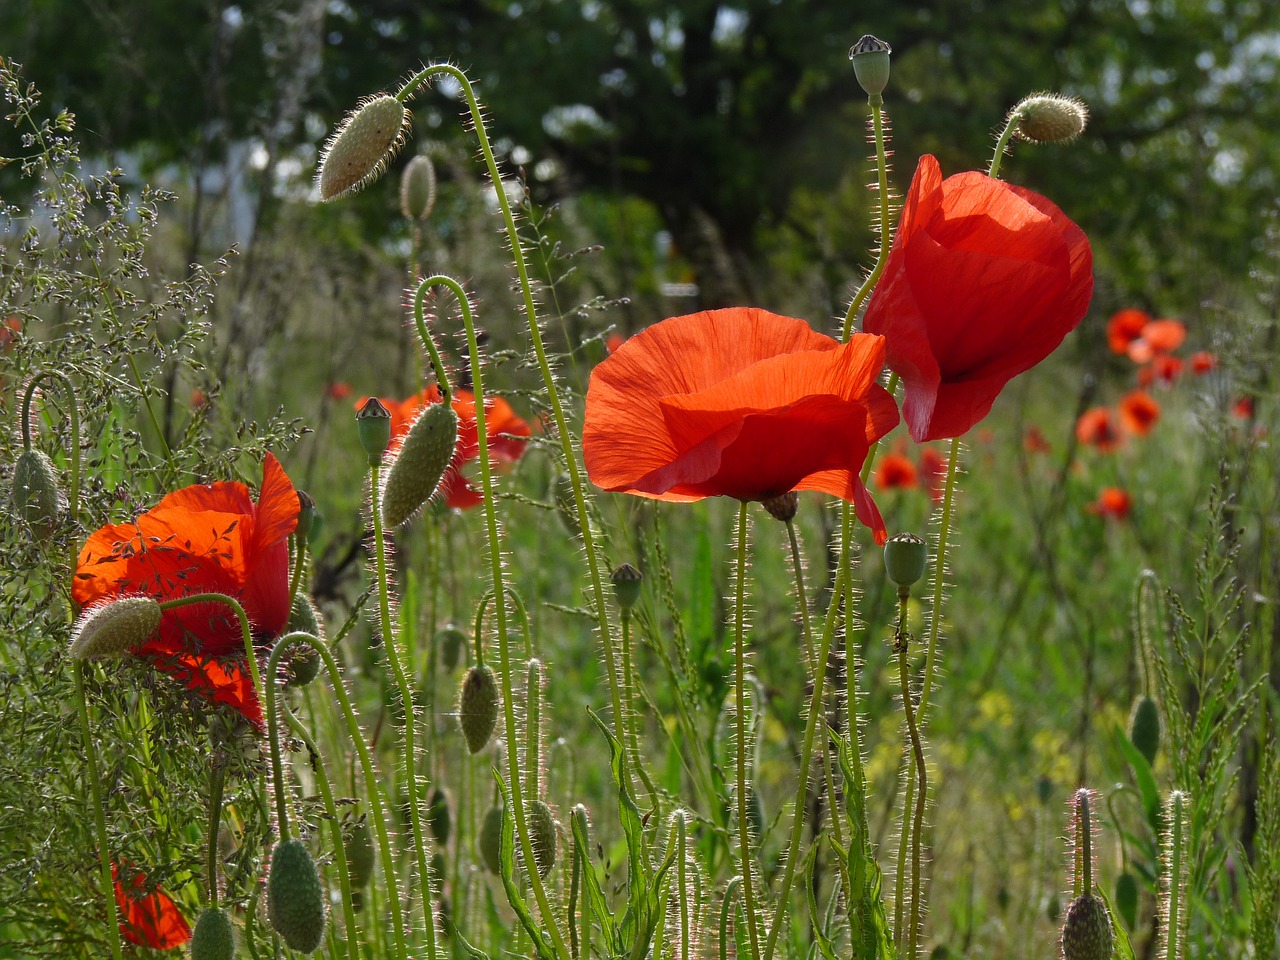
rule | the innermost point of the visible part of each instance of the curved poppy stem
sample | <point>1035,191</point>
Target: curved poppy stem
<point>217,779</point>
<point>740,720</point>
<point>902,640</point>
<point>428,341</point>
<point>299,564</point>
<point>514,597</point>
<point>390,646</point>
<point>599,604</point>
<point>876,102</point>
<point>245,632</point>
<point>500,595</point>
<point>1011,124</point>
<point>73,414</point>
<point>99,811</point>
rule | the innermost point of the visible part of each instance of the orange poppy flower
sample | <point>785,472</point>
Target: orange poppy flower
<point>209,538</point>
<point>934,466</point>
<point>1124,327</point>
<point>506,430</point>
<point>1158,337</point>
<point>1242,409</point>
<point>1202,362</point>
<point>614,341</point>
<point>148,919</point>
<point>1034,441</point>
<point>740,403</point>
<point>338,390</point>
<point>1112,502</point>
<point>896,472</point>
<point>1139,412</point>
<point>983,281</point>
<point>1097,428</point>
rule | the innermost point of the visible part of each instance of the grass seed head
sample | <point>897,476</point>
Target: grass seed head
<point>366,140</point>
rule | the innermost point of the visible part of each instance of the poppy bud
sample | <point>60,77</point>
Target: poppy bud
<point>35,497</point>
<point>303,616</point>
<point>478,707</point>
<point>416,471</point>
<point>357,844</point>
<point>783,508</point>
<point>418,188</point>
<point>1086,932</point>
<point>542,836</point>
<point>626,585</point>
<point>306,517</point>
<point>451,642</point>
<point>213,937</point>
<point>365,141</point>
<point>489,841</point>
<point>1126,898</point>
<point>904,559</point>
<point>870,58</point>
<point>373,422</point>
<point>1144,727</point>
<point>295,897</point>
<point>114,628</point>
<point>438,818</point>
<point>1050,118</point>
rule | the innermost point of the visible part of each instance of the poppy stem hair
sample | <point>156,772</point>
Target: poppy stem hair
<point>437,364</point>
<point>882,191</point>
<point>1002,143</point>
<point>217,779</point>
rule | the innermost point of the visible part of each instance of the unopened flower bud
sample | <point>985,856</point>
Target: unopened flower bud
<point>365,141</point>
<point>904,559</point>
<point>1050,118</point>
<point>35,496</point>
<point>114,628</point>
<point>373,421</point>
<point>870,58</point>
<point>418,188</point>
<point>420,463</point>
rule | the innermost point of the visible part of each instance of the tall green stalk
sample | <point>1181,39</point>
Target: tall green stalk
<point>740,720</point>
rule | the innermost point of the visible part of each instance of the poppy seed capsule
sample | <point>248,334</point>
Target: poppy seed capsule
<point>35,496</point>
<point>295,897</point>
<point>373,424</point>
<point>114,628</point>
<point>213,937</point>
<point>904,559</point>
<point>783,508</point>
<point>1144,727</point>
<point>1050,118</point>
<point>626,585</point>
<point>542,836</point>
<point>1086,931</point>
<point>478,707</point>
<point>365,141</point>
<point>489,841</point>
<point>423,458</point>
<point>418,188</point>
<point>870,58</point>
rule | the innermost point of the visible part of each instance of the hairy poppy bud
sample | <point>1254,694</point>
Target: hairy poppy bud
<point>373,422</point>
<point>1050,118</point>
<point>1086,931</point>
<point>626,585</point>
<point>418,188</point>
<point>114,628</point>
<point>542,836</point>
<point>213,937</point>
<point>478,707</point>
<point>489,841</point>
<point>438,819</point>
<point>365,141</point>
<point>451,642</point>
<point>35,497</point>
<point>295,897</point>
<point>1144,727</point>
<point>357,844</point>
<point>870,58</point>
<point>904,559</point>
<point>421,462</point>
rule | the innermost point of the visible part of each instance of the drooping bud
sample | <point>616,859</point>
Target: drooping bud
<point>214,937</point>
<point>366,140</point>
<point>373,421</point>
<point>784,507</point>
<point>626,585</point>
<point>478,707</point>
<point>905,555</point>
<point>295,897</point>
<point>489,841</point>
<point>421,462</point>
<point>439,820</point>
<point>870,58</point>
<point>35,497</point>
<point>357,844</point>
<point>114,628</point>
<point>451,641</point>
<point>418,188</point>
<point>542,836</point>
<point>1126,898</point>
<point>1144,727</point>
<point>1050,118</point>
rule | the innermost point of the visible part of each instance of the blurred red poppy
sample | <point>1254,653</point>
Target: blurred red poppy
<point>505,428</point>
<point>1124,327</point>
<point>1201,362</point>
<point>9,331</point>
<point>896,472</point>
<point>740,403</point>
<point>983,281</point>
<point>1163,369</point>
<point>1242,409</point>
<point>148,919</point>
<point>208,538</point>
<point>933,466</point>
<point>1139,412</point>
<point>1158,337</point>
<point>614,342</point>
<point>1112,502</point>
<point>1034,441</point>
<point>339,390</point>
<point>1097,428</point>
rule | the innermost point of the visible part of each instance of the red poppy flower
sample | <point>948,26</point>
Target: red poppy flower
<point>339,390</point>
<point>1158,337</point>
<point>614,342</point>
<point>148,919</point>
<point>506,430</point>
<point>896,472</point>
<point>983,281</point>
<point>1124,327</point>
<point>1112,502</point>
<point>933,465</point>
<point>1034,441</point>
<point>1201,362</point>
<point>1139,412</point>
<point>1097,428</point>
<point>740,403</point>
<point>209,538</point>
<point>1242,409</point>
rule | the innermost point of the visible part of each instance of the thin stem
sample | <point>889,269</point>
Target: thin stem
<point>299,564</point>
<point>217,779</point>
<point>682,880</point>
<point>629,727</point>
<point>533,729</point>
<point>391,647</point>
<point>99,811</point>
<point>428,341</point>
<point>921,775</point>
<point>939,569</point>
<point>1173,919</point>
<point>1011,124</point>
<point>740,719</point>
<point>876,102</point>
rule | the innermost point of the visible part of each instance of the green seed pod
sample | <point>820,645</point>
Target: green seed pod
<point>357,844</point>
<point>35,496</point>
<point>418,188</point>
<point>542,835</point>
<point>904,559</point>
<point>478,707</point>
<point>306,517</point>
<point>423,458</point>
<point>114,628</point>
<point>1050,118</point>
<point>1086,932</point>
<point>213,937</point>
<point>626,585</point>
<point>295,897</point>
<point>373,425</point>
<point>565,504</point>
<point>1126,898</point>
<point>439,821</point>
<point>489,842</point>
<point>870,58</point>
<point>451,642</point>
<point>1144,727</point>
<point>368,137</point>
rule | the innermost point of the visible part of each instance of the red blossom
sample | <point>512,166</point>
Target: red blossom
<point>983,281</point>
<point>338,390</point>
<point>1158,337</point>
<point>1139,412</point>
<point>1112,502</point>
<point>1124,327</point>
<point>148,919</point>
<point>1033,441</point>
<point>1097,428</point>
<point>896,472</point>
<point>934,466</point>
<point>1202,362</point>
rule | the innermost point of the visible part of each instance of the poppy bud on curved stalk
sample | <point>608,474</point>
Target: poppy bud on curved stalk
<point>366,140</point>
<point>1050,118</point>
<point>542,836</point>
<point>478,704</point>
<point>420,463</point>
<point>35,497</point>
<point>870,57</point>
<point>113,629</point>
<point>418,188</point>
<point>295,897</point>
<point>489,840</point>
<point>451,642</point>
<point>213,937</point>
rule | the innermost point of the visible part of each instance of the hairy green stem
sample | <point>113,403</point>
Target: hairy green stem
<point>740,719</point>
<point>917,751</point>
<point>217,779</point>
<point>876,102</point>
<point>99,811</point>
<point>1176,868</point>
<point>1011,124</point>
